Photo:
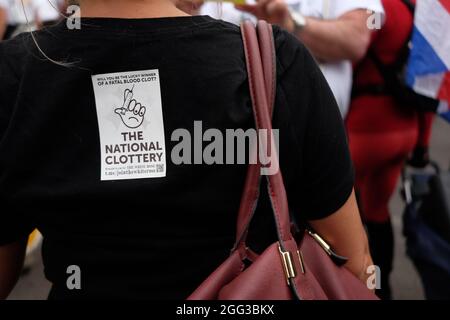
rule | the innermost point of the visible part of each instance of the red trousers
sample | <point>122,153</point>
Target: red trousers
<point>381,136</point>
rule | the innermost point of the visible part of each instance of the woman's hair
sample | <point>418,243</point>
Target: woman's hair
<point>60,63</point>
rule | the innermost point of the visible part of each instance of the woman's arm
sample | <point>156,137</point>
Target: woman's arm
<point>344,232</point>
<point>11,262</point>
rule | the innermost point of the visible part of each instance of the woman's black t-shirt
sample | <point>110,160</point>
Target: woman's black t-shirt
<point>155,234</point>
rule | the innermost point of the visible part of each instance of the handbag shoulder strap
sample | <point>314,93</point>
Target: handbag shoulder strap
<point>250,194</point>
<point>261,69</point>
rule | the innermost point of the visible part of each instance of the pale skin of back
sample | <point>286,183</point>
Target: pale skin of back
<point>343,229</point>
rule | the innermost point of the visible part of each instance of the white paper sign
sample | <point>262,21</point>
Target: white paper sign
<point>130,121</point>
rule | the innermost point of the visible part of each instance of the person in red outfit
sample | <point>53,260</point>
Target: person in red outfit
<point>383,134</point>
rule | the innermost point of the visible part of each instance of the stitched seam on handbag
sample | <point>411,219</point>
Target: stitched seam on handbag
<point>274,71</point>
<point>275,209</point>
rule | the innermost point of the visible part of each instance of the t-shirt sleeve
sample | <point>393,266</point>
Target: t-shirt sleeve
<point>325,178</point>
<point>13,225</point>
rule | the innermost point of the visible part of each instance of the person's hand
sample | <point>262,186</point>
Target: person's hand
<point>419,157</point>
<point>132,112</point>
<point>273,11</point>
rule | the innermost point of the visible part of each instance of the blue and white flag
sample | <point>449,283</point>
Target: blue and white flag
<point>429,64</point>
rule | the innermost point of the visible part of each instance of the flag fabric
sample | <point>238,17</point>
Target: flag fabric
<point>429,62</point>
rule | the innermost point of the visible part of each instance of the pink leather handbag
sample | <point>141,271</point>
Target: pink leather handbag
<point>288,269</point>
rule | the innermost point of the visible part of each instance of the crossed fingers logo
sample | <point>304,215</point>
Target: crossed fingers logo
<point>132,112</point>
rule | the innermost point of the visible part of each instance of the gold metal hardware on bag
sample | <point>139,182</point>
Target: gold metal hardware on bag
<point>300,258</point>
<point>289,269</point>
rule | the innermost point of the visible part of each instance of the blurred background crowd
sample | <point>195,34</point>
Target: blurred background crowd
<point>387,66</point>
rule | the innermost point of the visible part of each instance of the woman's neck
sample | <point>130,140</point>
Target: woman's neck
<point>129,9</point>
